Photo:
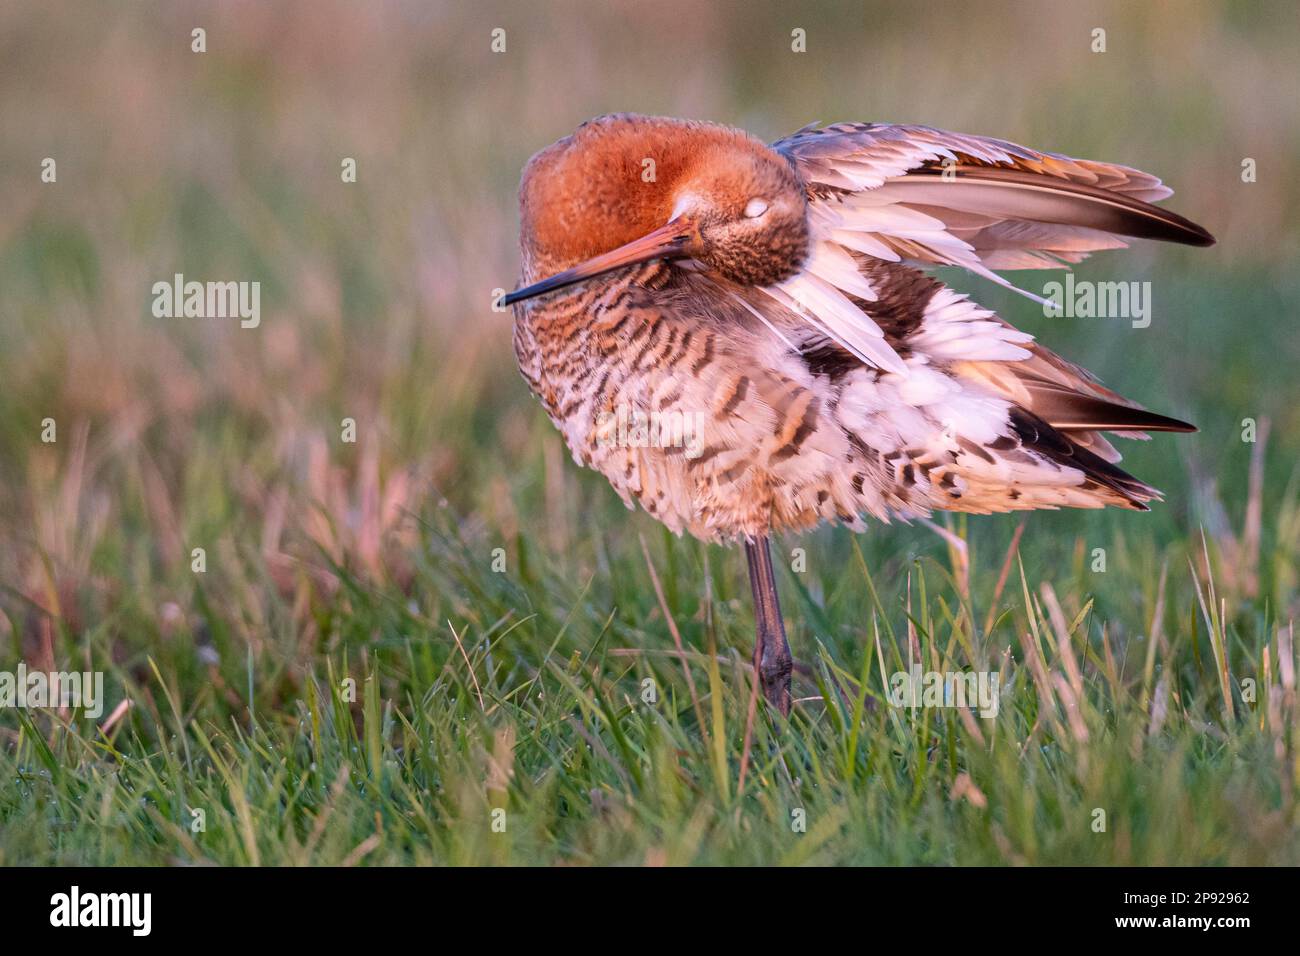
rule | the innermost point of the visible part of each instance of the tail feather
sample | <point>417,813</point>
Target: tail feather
<point>1057,446</point>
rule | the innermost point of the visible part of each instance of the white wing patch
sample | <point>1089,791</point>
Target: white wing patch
<point>824,306</point>
<point>956,329</point>
<point>953,327</point>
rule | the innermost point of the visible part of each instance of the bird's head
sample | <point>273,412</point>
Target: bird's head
<point>627,189</point>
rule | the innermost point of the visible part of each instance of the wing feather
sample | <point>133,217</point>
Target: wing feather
<point>924,196</point>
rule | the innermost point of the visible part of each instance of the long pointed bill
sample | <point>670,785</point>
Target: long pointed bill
<point>673,241</point>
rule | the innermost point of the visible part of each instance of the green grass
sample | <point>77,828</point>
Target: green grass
<point>352,680</point>
<point>526,691</point>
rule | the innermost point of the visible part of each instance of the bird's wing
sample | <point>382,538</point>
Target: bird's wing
<point>924,196</point>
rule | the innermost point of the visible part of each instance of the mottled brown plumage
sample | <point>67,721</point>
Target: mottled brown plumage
<point>770,301</point>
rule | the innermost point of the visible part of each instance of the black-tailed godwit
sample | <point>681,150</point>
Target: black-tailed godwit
<point>764,309</point>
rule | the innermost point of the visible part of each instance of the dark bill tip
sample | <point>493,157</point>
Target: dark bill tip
<point>676,239</point>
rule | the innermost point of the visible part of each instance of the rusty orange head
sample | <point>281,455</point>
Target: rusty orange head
<point>626,189</point>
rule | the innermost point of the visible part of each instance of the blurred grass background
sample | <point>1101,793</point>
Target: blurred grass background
<point>375,559</point>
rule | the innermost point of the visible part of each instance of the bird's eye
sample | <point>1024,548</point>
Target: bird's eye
<point>755,208</point>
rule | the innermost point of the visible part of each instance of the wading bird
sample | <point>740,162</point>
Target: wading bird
<point>773,298</point>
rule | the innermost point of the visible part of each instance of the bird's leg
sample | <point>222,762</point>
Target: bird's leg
<point>771,651</point>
